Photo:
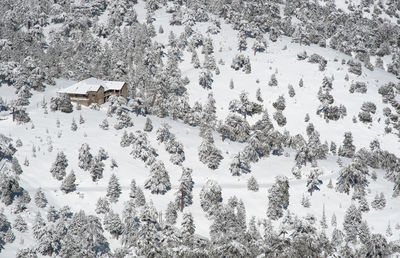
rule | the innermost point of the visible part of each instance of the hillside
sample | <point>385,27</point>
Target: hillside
<point>232,98</point>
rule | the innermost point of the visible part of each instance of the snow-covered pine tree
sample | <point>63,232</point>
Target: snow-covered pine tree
<point>40,199</point>
<point>102,206</point>
<point>347,149</point>
<point>59,166</point>
<point>68,184</point>
<point>113,189</point>
<point>354,175</point>
<point>252,184</point>
<point>170,214</point>
<point>305,201</point>
<point>96,169</point>
<point>158,183</point>
<point>148,127</point>
<point>184,196</point>
<point>208,153</point>
<point>113,224</point>
<point>74,126</point>
<point>20,224</point>
<point>278,198</point>
<point>15,166</point>
<point>81,120</point>
<point>352,222</point>
<point>210,197</point>
<point>379,202</point>
<point>188,229</point>
<point>85,158</point>
<point>313,180</point>
<point>239,165</point>
<point>104,124</point>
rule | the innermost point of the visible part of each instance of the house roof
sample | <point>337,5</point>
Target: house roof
<point>92,84</point>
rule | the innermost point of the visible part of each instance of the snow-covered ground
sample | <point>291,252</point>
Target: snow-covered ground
<point>289,70</point>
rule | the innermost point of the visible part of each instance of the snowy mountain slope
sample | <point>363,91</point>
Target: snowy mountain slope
<point>263,65</point>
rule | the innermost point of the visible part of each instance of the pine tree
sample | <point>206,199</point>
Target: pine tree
<point>102,206</point>
<point>40,199</point>
<point>364,233</point>
<point>389,232</point>
<point>148,127</point>
<point>20,224</point>
<point>330,185</point>
<point>188,229</point>
<point>171,215</point>
<point>113,189</point>
<point>158,183</point>
<point>333,220</point>
<point>140,199</point>
<point>96,169</point>
<point>379,202</point>
<point>252,184</point>
<point>59,166</point>
<point>184,196</point>
<point>347,149</point>
<point>313,180</point>
<point>210,197</point>
<point>323,219</point>
<point>15,166</point>
<point>104,124</point>
<point>354,175</point>
<point>74,126</point>
<point>364,207</point>
<point>239,165</point>
<point>278,198</point>
<point>113,224</point>
<point>81,120</point>
<point>85,158</point>
<point>68,184</point>
<point>52,214</point>
<point>208,153</point>
<point>305,201</point>
<point>351,224</point>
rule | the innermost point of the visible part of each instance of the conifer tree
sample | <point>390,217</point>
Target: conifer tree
<point>68,184</point>
<point>171,215</point>
<point>252,184</point>
<point>15,166</point>
<point>184,196</point>
<point>20,224</point>
<point>74,126</point>
<point>347,149</point>
<point>305,201</point>
<point>352,222</point>
<point>148,127</point>
<point>188,229</point>
<point>113,189</point>
<point>210,197</point>
<point>96,169</point>
<point>85,158</point>
<point>113,224</point>
<point>102,206</point>
<point>104,124</point>
<point>158,183</point>
<point>40,199</point>
<point>59,166</point>
<point>278,198</point>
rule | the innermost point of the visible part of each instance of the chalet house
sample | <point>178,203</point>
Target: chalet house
<point>93,90</point>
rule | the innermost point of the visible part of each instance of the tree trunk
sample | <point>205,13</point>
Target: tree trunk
<point>154,99</point>
<point>182,199</point>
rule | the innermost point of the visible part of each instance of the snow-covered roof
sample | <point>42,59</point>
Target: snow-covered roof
<point>92,84</point>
